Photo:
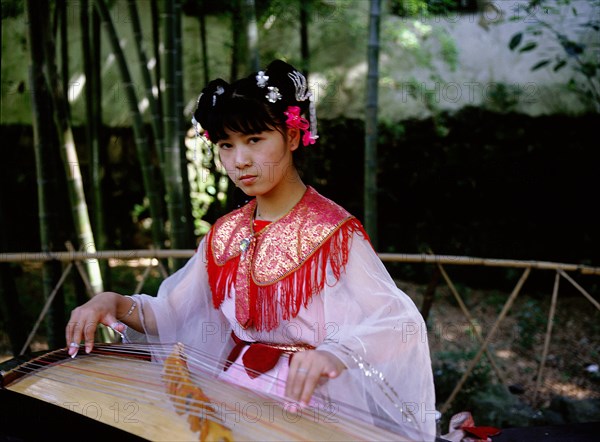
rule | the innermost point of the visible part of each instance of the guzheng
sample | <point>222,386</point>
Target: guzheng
<point>117,388</point>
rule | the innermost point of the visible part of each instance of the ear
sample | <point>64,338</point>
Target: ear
<point>293,138</point>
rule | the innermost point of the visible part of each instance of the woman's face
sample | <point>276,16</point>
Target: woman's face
<point>261,163</point>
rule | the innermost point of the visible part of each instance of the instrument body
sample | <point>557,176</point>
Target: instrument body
<point>117,391</point>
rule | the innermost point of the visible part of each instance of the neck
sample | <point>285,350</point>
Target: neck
<point>273,207</point>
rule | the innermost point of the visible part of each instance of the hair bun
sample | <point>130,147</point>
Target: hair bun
<point>279,68</point>
<point>209,99</point>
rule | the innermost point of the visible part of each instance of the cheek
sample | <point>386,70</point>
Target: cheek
<point>224,157</point>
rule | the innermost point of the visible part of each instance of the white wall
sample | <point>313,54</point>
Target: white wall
<point>412,64</point>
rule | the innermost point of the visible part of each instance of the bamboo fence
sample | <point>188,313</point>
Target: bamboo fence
<point>73,258</point>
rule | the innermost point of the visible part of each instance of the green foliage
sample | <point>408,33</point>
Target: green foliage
<point>496,406</point>
<point>503,97</point>
<point>12,8</point>
<point>573,46</point>
<point>448,369</point>
<point>496,300</point>
<point>412,8</point>
<point>530,322</point>
<point>208,184</point>
<point>449,50</point>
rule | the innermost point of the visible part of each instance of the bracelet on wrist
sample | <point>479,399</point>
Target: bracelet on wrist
<point>131,309</point>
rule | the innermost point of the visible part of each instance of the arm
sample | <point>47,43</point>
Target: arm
<point>181,312</point>
<point>376,332</point>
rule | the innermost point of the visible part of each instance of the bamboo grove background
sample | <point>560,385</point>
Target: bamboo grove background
<point>400,164</point>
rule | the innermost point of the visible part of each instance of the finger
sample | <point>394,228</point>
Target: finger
<point>311,380</point>
<point>89,334</point>
<point>301,386</point>
<point>289,384</point>
<point>111,321</point>
<point>117,326</point>
<point>73,337</point>
<point>292,389</point>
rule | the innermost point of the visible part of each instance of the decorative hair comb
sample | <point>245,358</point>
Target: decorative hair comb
<point>301,93</point>
<point>299,80</point>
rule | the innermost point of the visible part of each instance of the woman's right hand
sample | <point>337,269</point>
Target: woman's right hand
<point>101,309</point>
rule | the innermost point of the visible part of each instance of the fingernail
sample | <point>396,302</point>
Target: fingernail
<point>293,408</point>
<point>303,404</point>
<point>88,348</point>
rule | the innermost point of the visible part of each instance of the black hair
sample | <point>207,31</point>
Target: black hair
<point>243,106</point>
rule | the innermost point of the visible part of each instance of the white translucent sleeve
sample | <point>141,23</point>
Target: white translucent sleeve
<point>183,312</point>
<point>378,332</point>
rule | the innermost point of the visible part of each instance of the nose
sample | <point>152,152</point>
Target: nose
<point>242,158</point>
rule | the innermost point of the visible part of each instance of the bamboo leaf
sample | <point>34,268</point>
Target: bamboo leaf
<point>515,41</point>
<point>558,66</point>
<point>528,47</point>
<point>540,65</point>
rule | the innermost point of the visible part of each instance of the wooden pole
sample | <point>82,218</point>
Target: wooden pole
<point>538,381</point>
<point>386,257</point>
<point>45,309</point>
<point>465,311</point>
<point>487,340</point>
<point>578,287</point>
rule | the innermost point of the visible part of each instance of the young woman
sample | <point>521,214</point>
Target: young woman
<point>286,293</point>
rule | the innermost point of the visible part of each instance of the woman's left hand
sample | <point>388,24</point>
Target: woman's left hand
<point>307,369</point>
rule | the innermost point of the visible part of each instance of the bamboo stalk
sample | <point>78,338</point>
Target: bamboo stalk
<point>370,166</point>
<point>155,115</point>
<point>84,278</point>
<point>141,141</point>
<point>106,334</point>
<point>173,173</point>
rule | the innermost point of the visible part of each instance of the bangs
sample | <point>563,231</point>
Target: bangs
<point>243,116</point>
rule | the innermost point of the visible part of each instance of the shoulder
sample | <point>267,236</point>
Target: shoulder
<point>227,232</point>
<point>236,216</point>
<point>320,210</point>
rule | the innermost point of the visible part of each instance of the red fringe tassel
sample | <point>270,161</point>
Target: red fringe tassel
<point>296,289</point>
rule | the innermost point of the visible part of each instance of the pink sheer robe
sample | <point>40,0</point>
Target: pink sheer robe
<point>363,319</point>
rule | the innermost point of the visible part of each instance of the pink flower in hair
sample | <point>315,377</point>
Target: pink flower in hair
<point>308,138</point>
<point>295,120</point>
<point>206,135</point>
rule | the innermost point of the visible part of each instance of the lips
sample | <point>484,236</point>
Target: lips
<point>247,179</point>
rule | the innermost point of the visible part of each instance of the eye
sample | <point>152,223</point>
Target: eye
<point>254,140</point>
<point>225,145</point>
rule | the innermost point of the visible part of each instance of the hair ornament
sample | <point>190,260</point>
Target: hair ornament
<point>302,94</point>
<point>273,95</point>
<point>196,124</point>
<point>312,112</point>
<point>295,120</point>
<point>218,91</point>
<point>261,79</point>
<point>300,85</point>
